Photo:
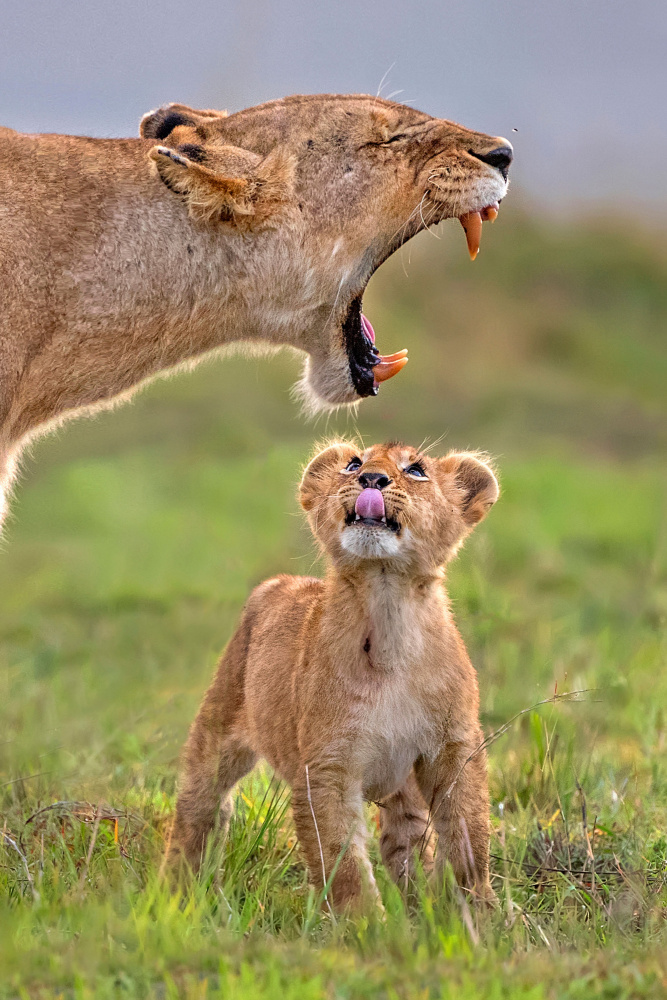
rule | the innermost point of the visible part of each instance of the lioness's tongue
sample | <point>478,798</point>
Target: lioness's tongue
<point>370,503</point>
<point>368,328</point>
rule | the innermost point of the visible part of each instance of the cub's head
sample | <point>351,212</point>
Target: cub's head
<point>327,186</point>
<point>391,502</point>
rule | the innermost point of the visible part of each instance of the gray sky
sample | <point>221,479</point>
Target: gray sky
<point>585,83</point>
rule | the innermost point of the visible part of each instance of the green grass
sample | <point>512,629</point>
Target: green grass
<point>136,538</point>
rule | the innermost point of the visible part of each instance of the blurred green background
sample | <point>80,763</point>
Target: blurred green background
<point>136,536</point>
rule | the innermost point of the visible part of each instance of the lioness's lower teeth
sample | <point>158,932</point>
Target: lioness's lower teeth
<point>394,357</point>
<point>388,367</point>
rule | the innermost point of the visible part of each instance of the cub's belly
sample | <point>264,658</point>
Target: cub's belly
<point>385,767</point>
<point>390,737</point>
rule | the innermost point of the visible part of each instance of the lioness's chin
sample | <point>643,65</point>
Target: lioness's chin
<point>324,387</point>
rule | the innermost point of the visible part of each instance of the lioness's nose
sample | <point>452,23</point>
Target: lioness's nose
<point>500,158</point>
<point>374,480</point>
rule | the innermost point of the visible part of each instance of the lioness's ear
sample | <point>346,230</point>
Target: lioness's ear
<point>208,194</point>
<point>160,123</point>
<point>238,186</point>
<point>478,486</point>
<point>317,474</point>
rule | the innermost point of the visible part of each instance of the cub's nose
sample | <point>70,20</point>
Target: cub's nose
<point>500,158</point>
<point>374,480</point>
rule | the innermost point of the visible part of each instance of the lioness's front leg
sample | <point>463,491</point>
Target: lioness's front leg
<point>456,791</point>
<point>330,825</point>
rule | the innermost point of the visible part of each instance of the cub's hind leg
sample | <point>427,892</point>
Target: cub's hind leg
<point>216,755</point>
<point>212,766</point>
<point>406,838</point>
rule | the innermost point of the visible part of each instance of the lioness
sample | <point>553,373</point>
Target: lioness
<point>120,258</point>
<point>358,686</point>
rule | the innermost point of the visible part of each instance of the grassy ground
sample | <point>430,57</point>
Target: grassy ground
<point>135,540</point>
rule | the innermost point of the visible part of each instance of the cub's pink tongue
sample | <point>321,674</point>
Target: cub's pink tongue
<point>370,503</point>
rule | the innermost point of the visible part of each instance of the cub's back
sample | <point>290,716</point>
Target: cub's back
<point>282,613</point>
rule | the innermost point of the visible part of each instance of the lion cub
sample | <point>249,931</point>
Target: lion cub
<point>358,687</point>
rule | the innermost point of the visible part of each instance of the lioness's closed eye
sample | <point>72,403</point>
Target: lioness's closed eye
<point>358,686</point>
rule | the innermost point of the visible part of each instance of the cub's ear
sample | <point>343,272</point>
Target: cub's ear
<point>226,183</point>
<point>316,479</point>
<point>160,123</point>
<point>477,485</point>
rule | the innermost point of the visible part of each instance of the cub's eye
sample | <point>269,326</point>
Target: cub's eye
<point>416,470</point>
<point>353,465</point>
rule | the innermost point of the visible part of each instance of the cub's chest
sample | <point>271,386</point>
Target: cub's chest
<point>392,729</point>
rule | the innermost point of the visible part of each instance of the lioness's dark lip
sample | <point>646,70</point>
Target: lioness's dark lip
<point>362,354</point>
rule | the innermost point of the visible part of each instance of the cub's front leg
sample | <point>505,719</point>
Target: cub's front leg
<point>456,791</point>
<point>330,825</point>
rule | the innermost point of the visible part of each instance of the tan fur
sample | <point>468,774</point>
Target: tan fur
<point>357,686</point>
<point>121,258</point>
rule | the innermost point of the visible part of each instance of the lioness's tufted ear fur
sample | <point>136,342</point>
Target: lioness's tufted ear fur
<point>159,123</point>
<point>478,486</point>
<point>317,474</point>
<point>237,186</point>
